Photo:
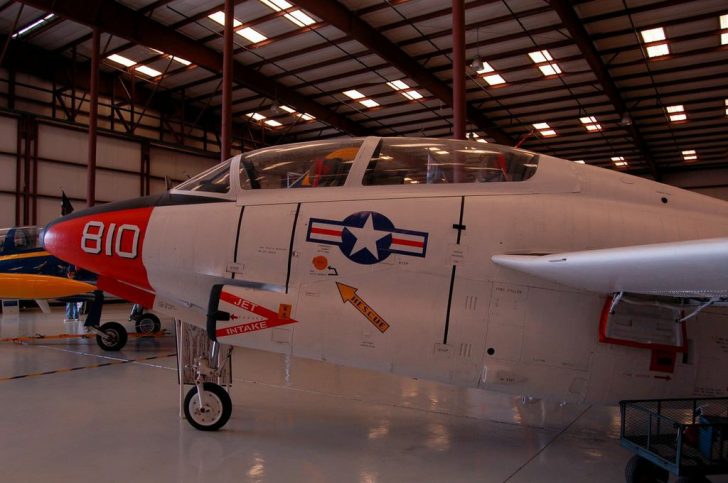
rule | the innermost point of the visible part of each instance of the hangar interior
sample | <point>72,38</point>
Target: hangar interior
<point>636,86</point>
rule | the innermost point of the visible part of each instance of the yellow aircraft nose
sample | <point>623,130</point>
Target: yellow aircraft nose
<point>26,286</point>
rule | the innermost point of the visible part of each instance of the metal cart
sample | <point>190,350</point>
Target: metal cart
<point>685,437</point>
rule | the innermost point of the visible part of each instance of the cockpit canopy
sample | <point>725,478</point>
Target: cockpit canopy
<point>19,239</point>
<point>389,161</point>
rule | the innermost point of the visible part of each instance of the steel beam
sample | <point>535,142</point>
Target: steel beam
<point>227,82</point>
<point>93,120</point>
<point>348,22</point>
<point>116,19</point>
<point>581,37</point>
<point>458,69</point>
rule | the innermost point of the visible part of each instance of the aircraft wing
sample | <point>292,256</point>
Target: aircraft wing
<point>25,286</point>
<point>697,268</point>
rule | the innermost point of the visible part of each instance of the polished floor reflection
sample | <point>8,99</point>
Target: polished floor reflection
<point>115,418</point>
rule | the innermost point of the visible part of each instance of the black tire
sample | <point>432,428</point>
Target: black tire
<point>640,470</point>
<point>147,324</point>
<point>217,407</point>
<point>115,339</point>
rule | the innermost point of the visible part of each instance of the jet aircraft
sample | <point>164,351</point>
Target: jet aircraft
<point>463,262</point>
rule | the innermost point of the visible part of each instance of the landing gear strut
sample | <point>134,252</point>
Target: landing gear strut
<point>111,336</point>
<point>207,405</point>
<point>144,322</point>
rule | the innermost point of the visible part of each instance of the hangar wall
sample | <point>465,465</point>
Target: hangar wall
<point>31,186</point>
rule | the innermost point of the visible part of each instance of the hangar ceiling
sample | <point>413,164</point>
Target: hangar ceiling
<point>635,85</point>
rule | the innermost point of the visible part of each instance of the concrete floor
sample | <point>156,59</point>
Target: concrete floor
<point>294,420</point>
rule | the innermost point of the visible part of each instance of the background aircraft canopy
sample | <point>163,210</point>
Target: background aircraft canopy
<point>20,238</point>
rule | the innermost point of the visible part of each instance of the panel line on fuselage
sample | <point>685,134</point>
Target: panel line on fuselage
<point>237,238</point>
<point>290,247</point>
<point>459,227</point>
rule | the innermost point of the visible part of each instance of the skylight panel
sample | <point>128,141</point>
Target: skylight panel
<point>619,161</point>
<point>485,69</point>
<point>494,80</point>
<point>288,109</point>
<point>148,71</point>
<point>726,107</point>
<point>676,113</point>
<point>251,34</point>
<point>724,27</point>
<point>181,60</point>
<point>690,155</point>
<point>273,123</point>
<point>401,87</point>
<point>580,161</point>
<point>119,59</point>
<point>300,18</point>
<point>276,5</point>
<point>544,58</point>
<point>307,117</point>
<point>544,129</point>
<point>255,116</point>
<point>591,124</point>
<point>293,112</point>
<point>474,135</point>
<point>354,94</point>
<point>219,17</point>
<point>369,103</point>
<point>651,37</point>
<point>33,26</point>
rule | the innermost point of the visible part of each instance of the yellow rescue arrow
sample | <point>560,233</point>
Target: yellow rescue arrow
<point>348,294</point>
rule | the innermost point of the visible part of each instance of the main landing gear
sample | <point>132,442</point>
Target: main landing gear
<point>144,322</point>
<point>207,405</point>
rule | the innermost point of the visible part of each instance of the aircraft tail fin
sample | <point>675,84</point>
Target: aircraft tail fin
<point>66,206</point>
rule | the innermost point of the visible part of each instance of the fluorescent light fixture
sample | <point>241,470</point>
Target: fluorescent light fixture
<point>653,35</point>
<point>369,103</point>
<point>675,108</point>
<point>494,79</point>
<point>288,109</point>
<point>588,120</point>
<point>678,117</point>
<point>442,152</point>
<point>33,25</point>
<point>121,60</point>
<point>276,5</point>
<point>657,50</point>
<point>690,155</point>
<point>617,158</point>
<point>354,94</point>
<point>723,39</point>
<point>547,133</point>
<point>307,117</point>
<point>579,161</point>
<point>219,17</point>
<point>148,71</point>
<point>541,125</point>
<point>688,152</point>
<point>273,123</point>
<point>255,116</point>
<point>300,18</point>
<point>251,34</point>
<point>540,56</point>
<point>619,161</point>
<point>724,21</point>
<point>593,127</point>
<point>621,164</point>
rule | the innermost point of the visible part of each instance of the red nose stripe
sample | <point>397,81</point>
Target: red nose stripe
<point>109,244</point>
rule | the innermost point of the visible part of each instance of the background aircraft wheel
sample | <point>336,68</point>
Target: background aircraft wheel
<point>215,411</point>
<point>148,324</point>
<point>115,337</point>
<point>640,470</point>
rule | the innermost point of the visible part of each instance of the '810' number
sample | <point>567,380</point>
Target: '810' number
<point>122,241</point>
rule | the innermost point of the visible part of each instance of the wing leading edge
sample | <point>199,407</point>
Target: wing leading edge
<point>696,268</point>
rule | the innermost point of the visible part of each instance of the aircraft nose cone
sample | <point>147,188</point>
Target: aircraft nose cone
<point>106,239</point>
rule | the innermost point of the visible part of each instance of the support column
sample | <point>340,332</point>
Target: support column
<point>92,120</point>
<point>458,68</point>
<point>227,82</point>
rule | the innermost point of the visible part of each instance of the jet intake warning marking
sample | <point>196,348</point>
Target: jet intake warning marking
<point>367,237</point>
<point>348,294</point>
<point>271,318</point>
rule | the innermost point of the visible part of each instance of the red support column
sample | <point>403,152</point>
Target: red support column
<point>92,120</point>
<point>458,68</point>
<point>227,82</point>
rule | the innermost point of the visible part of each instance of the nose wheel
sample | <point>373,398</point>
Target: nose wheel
<point>111,336</point>
<point>209,409</point>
